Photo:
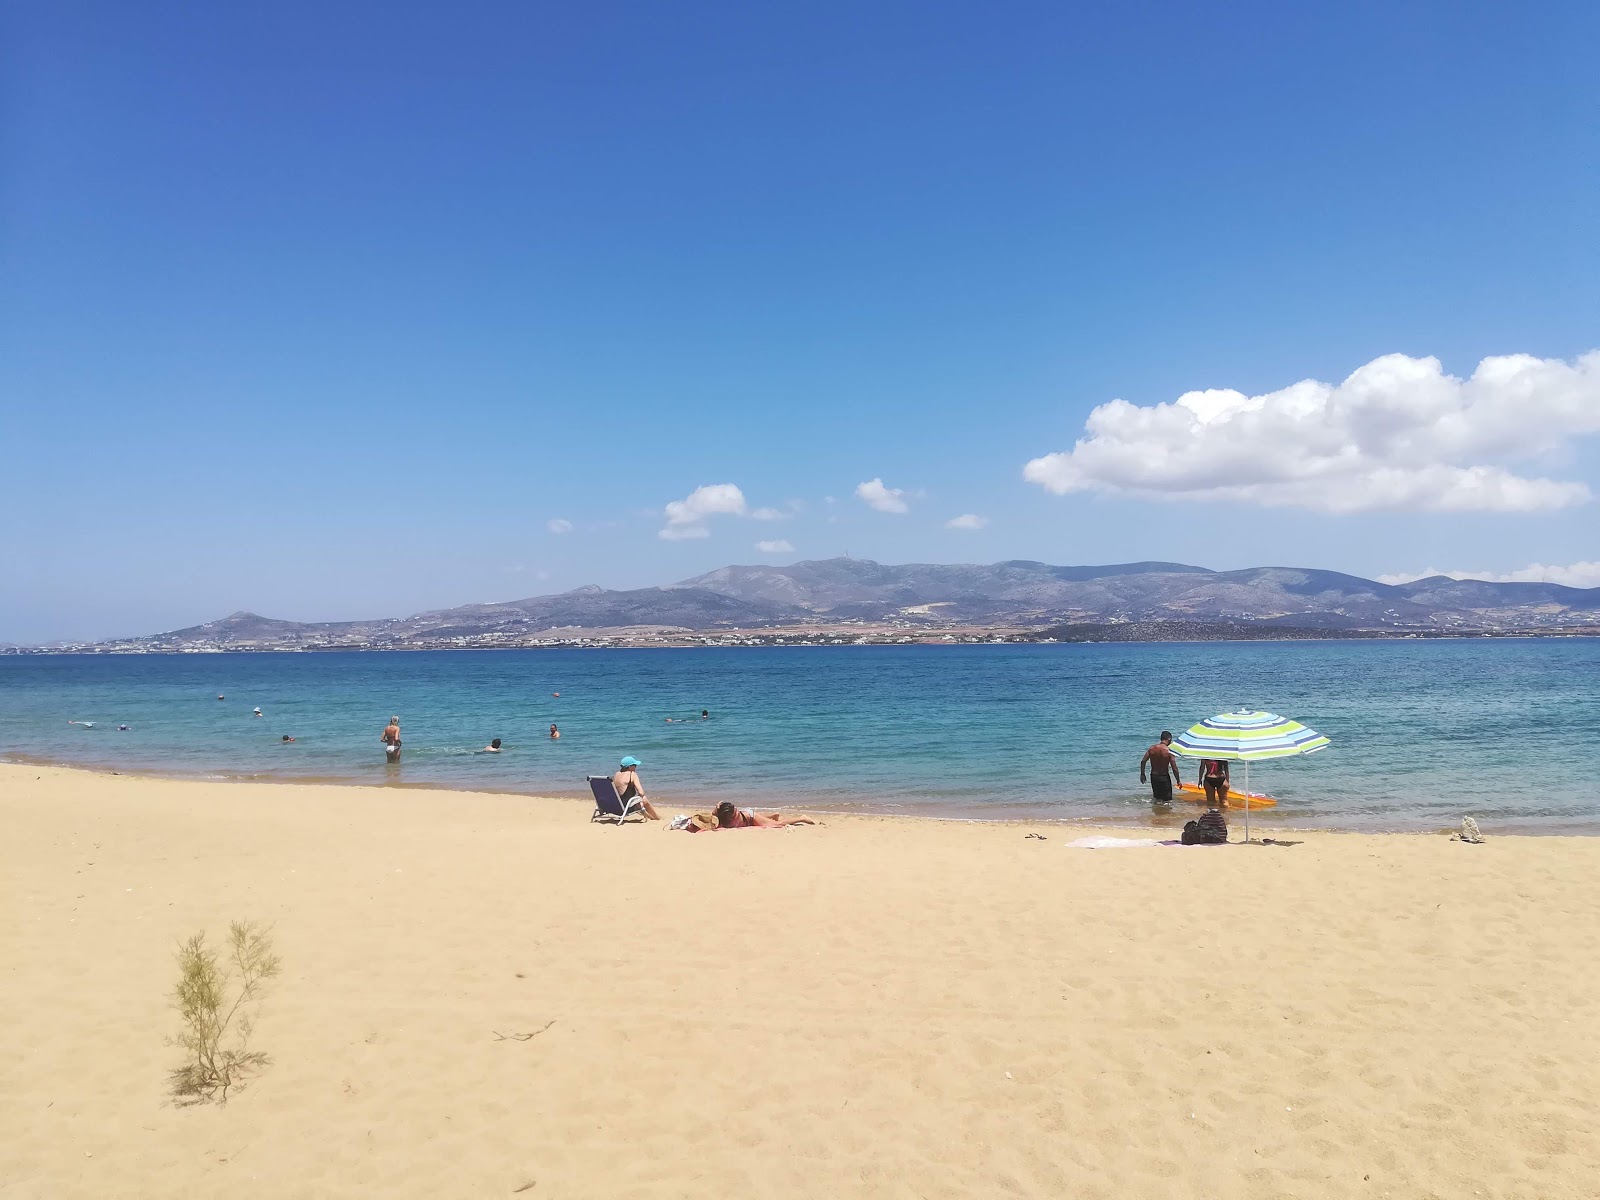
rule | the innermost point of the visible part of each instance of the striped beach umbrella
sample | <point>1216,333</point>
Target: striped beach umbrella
<point>1246,736</point>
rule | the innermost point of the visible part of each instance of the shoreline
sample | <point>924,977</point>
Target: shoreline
<point>1154,824</point>
<point>491,996</point>
<point>694,641</point>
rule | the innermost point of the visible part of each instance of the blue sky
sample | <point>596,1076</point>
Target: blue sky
<point>329,310</point>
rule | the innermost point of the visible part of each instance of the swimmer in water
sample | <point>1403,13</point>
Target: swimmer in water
<point>124,728</point>
<point>705,714</point>
<point>493,747</point>
<point>554,733</point>
<point>220,696</point>
<point>257,713</point>
<point>287,738</point>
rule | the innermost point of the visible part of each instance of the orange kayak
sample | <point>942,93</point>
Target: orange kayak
<point>1195,794</point>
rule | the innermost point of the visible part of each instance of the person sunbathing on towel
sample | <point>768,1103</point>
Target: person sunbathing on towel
<point>730,816</point>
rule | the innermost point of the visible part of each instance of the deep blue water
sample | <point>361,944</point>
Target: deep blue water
<point>1423,731</point>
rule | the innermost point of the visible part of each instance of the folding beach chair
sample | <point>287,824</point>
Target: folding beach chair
<point>608,806</point>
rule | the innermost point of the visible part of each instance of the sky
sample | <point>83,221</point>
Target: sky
<point>353,310</point>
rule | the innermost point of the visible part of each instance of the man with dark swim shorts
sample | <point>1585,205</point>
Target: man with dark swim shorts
<point>1163,769</point>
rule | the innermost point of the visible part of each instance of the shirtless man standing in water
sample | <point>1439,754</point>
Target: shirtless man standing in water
<point>1161,760</point>
<point>391,740</point>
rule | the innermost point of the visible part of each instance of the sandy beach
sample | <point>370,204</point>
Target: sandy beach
<point>877,1008</point>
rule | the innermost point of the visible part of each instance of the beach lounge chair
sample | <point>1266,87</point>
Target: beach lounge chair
<point>608,806</point>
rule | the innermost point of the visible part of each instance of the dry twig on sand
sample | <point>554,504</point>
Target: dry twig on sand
<point>520,1037</point>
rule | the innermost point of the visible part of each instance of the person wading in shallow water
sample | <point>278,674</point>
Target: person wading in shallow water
<point>1163,766</point>
<point>391,740</point>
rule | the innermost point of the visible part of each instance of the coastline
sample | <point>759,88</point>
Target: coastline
<point>840,639</point>
<point>875,1007</point>
<point>1144,823</point>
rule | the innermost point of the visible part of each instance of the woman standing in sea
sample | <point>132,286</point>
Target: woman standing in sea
<point>391,741</point>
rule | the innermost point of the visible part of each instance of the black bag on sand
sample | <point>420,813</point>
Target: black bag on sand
<point>1209,830</point>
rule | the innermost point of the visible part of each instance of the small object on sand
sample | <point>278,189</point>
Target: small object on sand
<point>520,1037</point>
<point>1040,836</point>
<point>1470,831</point>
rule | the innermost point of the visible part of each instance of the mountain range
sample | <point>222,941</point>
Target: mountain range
<point>1017,594</point>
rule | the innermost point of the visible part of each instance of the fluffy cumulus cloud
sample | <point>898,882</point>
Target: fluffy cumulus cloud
<point>1578,575</point>
<point>687,518</point>
<point>884,499</point>
<point>769,514</point>
<point>558,525</point>
<point>966,521</point>
<point>775,547</point>
<point>1398,434</point>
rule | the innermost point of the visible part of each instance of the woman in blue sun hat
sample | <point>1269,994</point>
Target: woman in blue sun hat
<point>626,781</point>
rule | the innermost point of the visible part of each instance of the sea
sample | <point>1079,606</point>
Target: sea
<point>1423,731</point>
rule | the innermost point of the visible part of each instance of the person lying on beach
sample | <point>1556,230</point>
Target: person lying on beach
<point>730,816</point>
<point>493,747</point>
<point>626,781</point>
<point>391,739</point>
<point>1161,760</point>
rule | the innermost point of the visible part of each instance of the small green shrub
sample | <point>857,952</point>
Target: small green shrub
<point>217,1001</point>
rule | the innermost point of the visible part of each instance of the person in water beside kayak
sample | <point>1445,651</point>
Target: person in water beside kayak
<point>1163,766</point>
<point>626,781</point>
<point>1214,777</point>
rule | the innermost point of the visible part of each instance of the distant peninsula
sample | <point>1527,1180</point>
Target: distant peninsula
<point>855,601</point>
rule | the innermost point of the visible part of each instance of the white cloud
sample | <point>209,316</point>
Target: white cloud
<point>686,518</point>
<point>558,525</point>
<point>1398,434</point>
<point>778,547</point>
<point>769,514</point>
<point>966,521</point>
<point>1578,575</point>
<point>884,499</point>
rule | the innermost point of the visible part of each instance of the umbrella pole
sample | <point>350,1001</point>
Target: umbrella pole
<point>1247,802</point>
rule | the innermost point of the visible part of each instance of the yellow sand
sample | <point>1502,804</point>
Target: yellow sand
<point>874,1008</point>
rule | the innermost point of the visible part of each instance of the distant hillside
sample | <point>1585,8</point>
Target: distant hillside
<point>1016,594</point>
<point>1041,593</point>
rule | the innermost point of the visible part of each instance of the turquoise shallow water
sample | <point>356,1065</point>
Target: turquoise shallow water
<point>1423,732</point>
